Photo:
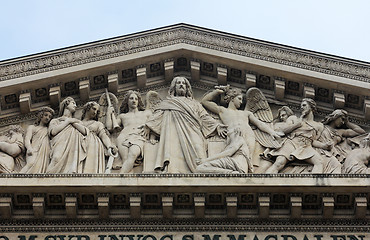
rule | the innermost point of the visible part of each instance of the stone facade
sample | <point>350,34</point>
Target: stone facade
<point>160,186</point>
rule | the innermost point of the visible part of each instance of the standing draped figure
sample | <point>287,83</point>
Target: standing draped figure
<point>68,144</point>
<point>37,143</point>
<point>183,125</point>
<point>97,140</point>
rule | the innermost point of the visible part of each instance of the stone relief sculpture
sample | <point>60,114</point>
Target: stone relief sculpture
<point>11,149</point>
<point>299,144</point>
<point>337,129</point>
<point>257,104</point>
<point>357,160</point>
<point>235,118</point>
<point>132,118</point>
<point>37,143</point>
<point>179,135</point>
<point>284,123</point>
<point>183,125</point>
<point>233,159</point>
<point>68,140</point>
<point>97,140</point>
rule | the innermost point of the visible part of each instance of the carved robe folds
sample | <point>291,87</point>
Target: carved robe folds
<point>41,146</point>
<point>68,149</point>
<point>95,159</point>
<point>183,124</point>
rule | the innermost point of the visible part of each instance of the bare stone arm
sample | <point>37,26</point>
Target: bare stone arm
<point>27,140</point>
<point>10,148</point>
<point>353,130</point>
<point>81,128</point>
<point>106,140</point>
<point>208,103</point>
<point>109,121</point>
<point>291,127</point>
<point>229,151</point>
<point>262,126</point>
<point>57,128</point>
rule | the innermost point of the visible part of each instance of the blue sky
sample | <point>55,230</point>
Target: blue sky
<point>335,27</point>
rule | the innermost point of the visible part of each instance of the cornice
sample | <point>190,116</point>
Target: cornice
<point>185,34</point>
<point>181,225</point>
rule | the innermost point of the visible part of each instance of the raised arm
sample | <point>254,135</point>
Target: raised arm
<point>207,101</point>
<point>109,119</point>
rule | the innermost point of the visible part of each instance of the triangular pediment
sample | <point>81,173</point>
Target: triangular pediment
<point>151,58</point>
<point>162,203</point>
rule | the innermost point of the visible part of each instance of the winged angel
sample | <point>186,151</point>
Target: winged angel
<point>132,117</point>
<point>257,113</point>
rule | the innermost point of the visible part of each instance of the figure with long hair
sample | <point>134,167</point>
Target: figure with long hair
<point>37,143</point>
<point>183,125</point>
<point>130,142</point>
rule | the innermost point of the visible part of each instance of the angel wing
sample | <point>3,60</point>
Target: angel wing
<point>152,100</point>
<point>258,105</point>
<point>104,103</point>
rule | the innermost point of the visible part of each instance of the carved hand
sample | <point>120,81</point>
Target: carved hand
<point>145,131</point>
<point>277,135</point>
<point>113,149</point>
<point>222,130</point>
<point>222,88</point>
<point>110,110</point>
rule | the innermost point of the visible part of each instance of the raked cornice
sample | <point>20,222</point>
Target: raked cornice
<point>184,34</point>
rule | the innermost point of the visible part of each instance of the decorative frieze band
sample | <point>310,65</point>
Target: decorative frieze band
<point>189,35</point>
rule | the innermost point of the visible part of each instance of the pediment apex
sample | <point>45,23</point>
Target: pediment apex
<point>184,34</point>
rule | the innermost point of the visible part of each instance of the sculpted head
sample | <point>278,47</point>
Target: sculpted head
<point>44,116</point>
<point>336,118</point>
<point>180,87</point>
<point>132,100</point>
<point>235,96</point>
<point>283,114</point>
<point>90,110</point>
<point>68,103</point>
<point>308,105</point>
